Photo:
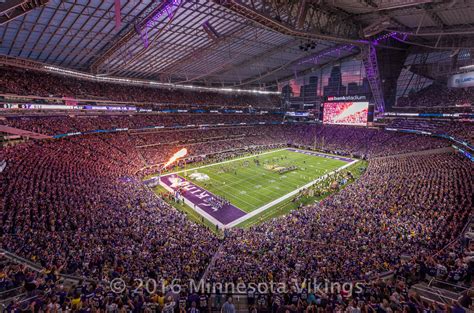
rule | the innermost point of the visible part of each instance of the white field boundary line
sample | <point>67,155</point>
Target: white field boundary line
<point>288,195</point>
<point>195,207</point>
<point>223,162</point>
<point>235,185</point>
<point>261,209</point>
<point>243,158</point>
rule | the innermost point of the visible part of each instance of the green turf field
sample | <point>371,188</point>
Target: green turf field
<point>249,186</point>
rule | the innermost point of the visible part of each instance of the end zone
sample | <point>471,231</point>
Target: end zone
<point>198,199</point>
<point>228,215</point>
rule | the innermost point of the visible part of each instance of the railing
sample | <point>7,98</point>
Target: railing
<point>17,259</point>
<point>441,291</point>
<point>9,292</point>
<point>463,232</point>
<point>36,267</point>
<point>4,303</point>
<point>456,288</point>
<point>433,295</point>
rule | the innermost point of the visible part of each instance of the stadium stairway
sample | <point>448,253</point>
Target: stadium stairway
<point>17,259</point>
<point>19,294</point>
<point>442,292</point>
<point>140,155</point>
<point>212,262</point>
<point>7,294</point>
<point>435,294</point>
<point>240,303</point>
<point>35,267</point>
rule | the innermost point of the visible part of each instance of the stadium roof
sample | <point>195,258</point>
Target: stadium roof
<point>222,42</point>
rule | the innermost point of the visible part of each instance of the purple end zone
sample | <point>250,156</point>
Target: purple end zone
<point>197,196</point>
<point>327,156</point>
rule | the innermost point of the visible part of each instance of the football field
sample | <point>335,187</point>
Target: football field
<point>250,184</point>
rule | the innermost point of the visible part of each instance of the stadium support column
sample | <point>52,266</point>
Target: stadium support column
<point>391,62</point>
<point>373,76</point>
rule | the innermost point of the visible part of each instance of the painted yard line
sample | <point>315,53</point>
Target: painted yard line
<point>261,209</point>
<point>195,208</point>
<point>215,221</point>
<point>239,185</point>
<point>269,188</point>
<point>223,162</point>
<point>228,194</point>
<point>288,195</point>
<point>265,215</point>
<point>251,177</point>
<point>242,158</point>
<point>290,179</point>
<point>269,212</point>
<point>322,155</point>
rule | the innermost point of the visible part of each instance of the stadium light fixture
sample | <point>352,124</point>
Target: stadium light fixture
<point>101,78</point>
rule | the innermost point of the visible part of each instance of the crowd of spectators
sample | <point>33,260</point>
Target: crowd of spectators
<point>12,275</point>
<point>152,144</point>
<point>156,146</point>
<point>54,125</point>
<point>360,141</point>
<point>30,82</point>
<point>408,206</point>
<point>55,196</point>
<point>432,110</point>
<point>463,130</point>
<point>439,95</point>
<point>77,206</point>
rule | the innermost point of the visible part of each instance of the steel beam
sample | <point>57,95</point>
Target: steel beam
<point>126,35</point>
<point>276,24</point>
<point>373,76</point>
<point>11,10</point>
<point>319,66</point>
<point>297,61</point>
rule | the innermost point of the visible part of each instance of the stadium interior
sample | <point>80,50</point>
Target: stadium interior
<point>234,156</point>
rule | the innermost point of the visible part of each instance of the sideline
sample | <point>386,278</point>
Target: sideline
<point>223,162</point>
<point>264,207</point>
<point>195,208</point>
<point>288,195</point>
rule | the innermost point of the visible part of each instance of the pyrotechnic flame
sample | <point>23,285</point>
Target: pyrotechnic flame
<point>181,153</point>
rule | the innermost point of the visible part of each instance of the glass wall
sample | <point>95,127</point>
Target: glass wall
<point>345,78</point>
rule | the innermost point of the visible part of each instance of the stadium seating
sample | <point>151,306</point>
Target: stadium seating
<point>77,206</point>
<point>53,125</point>
<point>245,156</point>
<point>393,210</point>
<point>13,81</point>
<point>439,95</point>
<point>462,130</point>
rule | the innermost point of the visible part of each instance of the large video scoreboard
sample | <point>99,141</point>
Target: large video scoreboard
<point>340,111</point>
